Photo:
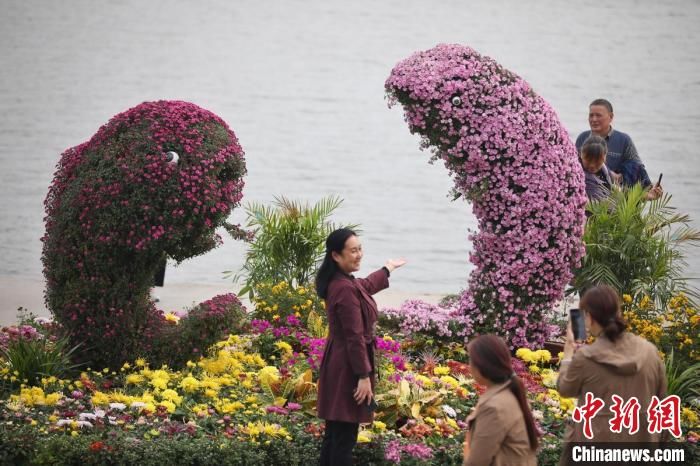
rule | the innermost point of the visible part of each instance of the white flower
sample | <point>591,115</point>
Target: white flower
<point>137,405</point>
<point>537,414</point>
<point>449,411</point>
<point>100,412</point>
<point>82,424</point>
<point>64,422</point>
<point>90,416</point>
<point>117,406</point>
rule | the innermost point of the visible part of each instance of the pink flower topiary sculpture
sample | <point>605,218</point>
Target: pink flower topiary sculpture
<point>510,156</point>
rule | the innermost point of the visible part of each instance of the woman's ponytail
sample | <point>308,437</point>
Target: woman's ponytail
<point>518,390</point>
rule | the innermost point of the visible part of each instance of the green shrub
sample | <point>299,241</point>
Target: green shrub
<point>289,241</point>
<point>636,246</point>
<point>31,359</point>
<point>20,447</point>
<point>683,380</point>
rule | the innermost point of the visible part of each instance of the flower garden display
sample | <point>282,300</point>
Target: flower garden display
<point>511,157</point>
<point>249,401</point>
<point>154,182</point>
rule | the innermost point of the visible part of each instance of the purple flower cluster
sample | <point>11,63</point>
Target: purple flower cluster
<point>391,349</point>
<point>218,306</point>
<point>510,156</point>
<point>416,316</point>
<point>393,450</point>
<point>314,348</point>
<point>18,332</point>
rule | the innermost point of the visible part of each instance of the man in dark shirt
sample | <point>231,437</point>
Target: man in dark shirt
<point>622,160</point>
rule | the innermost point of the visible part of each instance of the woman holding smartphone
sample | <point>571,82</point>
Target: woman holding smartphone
<point>347,375</point>
<point>616,363</point>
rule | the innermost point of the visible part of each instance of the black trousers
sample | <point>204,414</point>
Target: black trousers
<point>338,441</point>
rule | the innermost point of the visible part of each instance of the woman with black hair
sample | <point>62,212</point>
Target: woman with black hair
<point>347,375</point>
<point>616,363</point>
<point>501,430</point>
<point>597,177</point>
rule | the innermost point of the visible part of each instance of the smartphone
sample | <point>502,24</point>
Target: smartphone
<point>372,406</point>
<point>578,325</point>
<point>658,183</point>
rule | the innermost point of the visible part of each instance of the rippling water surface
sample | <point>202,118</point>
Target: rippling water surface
<point>301,84</point>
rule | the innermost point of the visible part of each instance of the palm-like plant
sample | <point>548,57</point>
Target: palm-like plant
<point>32,359</point>
<point>289,241</point>
<point>637,246</point>
<point>683,380</point>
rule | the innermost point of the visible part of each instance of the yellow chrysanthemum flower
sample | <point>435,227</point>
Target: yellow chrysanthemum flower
<point>134,379</point>
<point>268,375</point>
<point>171,395</point>
<point>448,380</point>
<point>379,426</point>
<point>189,384</point>
<point>284,347</point>
<point>100,399</point>
<point>169,405</point>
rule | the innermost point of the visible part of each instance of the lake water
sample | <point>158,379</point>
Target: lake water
<point>301,84</point>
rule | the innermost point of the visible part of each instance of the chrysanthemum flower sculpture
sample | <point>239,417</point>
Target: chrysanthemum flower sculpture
<point>510,156</point>
<point>154,182</point>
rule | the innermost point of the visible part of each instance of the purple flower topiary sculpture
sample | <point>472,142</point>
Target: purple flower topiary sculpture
<point>510,156</point>
<point>154,182</point>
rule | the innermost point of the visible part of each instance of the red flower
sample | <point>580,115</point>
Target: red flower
<point>96,446</point>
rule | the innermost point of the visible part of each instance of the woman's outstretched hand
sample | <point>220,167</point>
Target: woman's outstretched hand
<point>393,264</point>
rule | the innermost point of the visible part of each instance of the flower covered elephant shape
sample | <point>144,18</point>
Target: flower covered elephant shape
<point>154,182</point>
<point>510,156</point>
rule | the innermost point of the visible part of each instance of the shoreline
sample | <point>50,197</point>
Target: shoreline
<point>28,293</point>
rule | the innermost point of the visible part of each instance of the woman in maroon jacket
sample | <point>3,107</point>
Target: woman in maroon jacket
<point>347,375</point>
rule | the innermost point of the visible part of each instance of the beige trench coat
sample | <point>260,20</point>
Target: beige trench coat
<point>497,432</point>
<point>628,367</point>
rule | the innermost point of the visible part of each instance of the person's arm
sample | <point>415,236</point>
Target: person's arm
<point>595,190</point>
<point>486,438</point>
<point>375,282</point>
<point>571,371</point>
<point>379,280</point>
<point>630,151</point>
<point>571,376</point>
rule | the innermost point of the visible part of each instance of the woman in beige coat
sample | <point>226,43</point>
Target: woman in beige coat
<point>501,428</point>
<point>616,363</point>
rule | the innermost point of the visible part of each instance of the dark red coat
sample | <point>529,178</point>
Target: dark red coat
<point>349,352</point>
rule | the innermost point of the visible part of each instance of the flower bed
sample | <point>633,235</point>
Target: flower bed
<point>251,401</point>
